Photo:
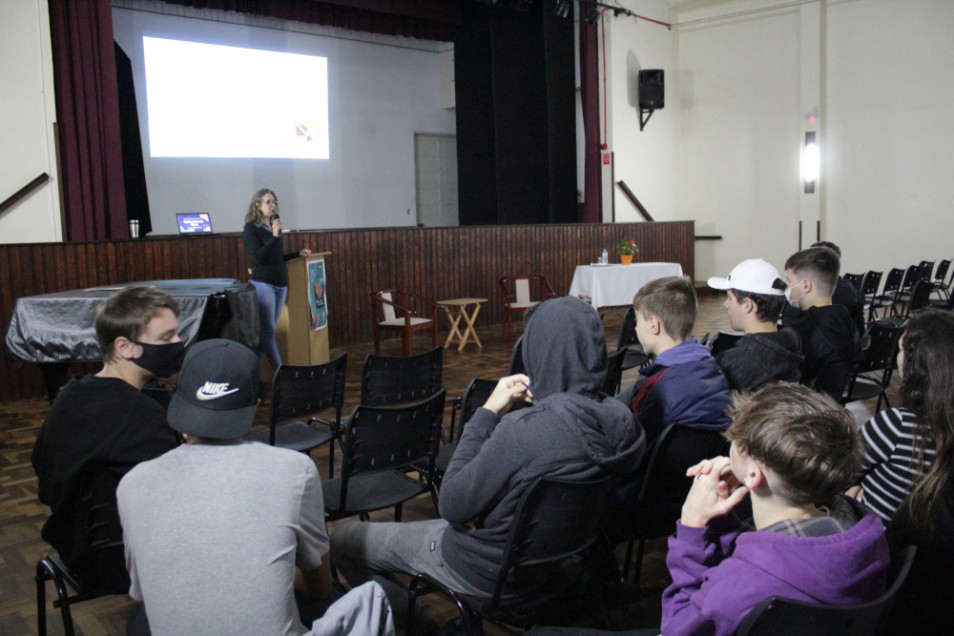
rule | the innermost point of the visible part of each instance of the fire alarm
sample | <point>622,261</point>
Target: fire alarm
<point>606,158</point>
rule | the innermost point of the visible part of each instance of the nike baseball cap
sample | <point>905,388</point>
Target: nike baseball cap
<point>755,276</point>
<point>217,391</point>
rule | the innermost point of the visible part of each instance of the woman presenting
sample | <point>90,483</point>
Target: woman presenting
<point>262,236</point>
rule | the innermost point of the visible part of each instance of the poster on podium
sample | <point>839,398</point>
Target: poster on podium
<point>317,299</point>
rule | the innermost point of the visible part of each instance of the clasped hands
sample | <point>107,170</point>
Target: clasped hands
<point>510,389</point>
<point>715,491</point>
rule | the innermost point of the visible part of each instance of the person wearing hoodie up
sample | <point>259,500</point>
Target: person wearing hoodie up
<point>793,452</point>
<point>765,354</point>
<point>569,430</point>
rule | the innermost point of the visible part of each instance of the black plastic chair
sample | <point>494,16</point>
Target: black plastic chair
<point>869,289</point>
<point>873,376</point>
<point>516,359</point>
<point>885,300</point>
<point>854,279</point>
<point>98,563</point>
<point>664,486</point>
<point>392,380</point>
<point>920,297</point>
<point>378,443</point>
<point>299,393</point>
<point>913,275</point>
<point>555,523</point>
<point>614,372</point>
<point>628,340</point>
<point>777,616</point>
<point>463,408</point>
<point>940,287</point>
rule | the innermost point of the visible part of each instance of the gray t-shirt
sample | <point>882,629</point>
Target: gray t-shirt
<point>213,534</point>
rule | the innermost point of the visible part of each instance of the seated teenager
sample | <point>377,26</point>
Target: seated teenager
<point>570,431</point>
<point>845,293</point>
<point>900,443</point>
<point>793,450</point>
<point>765,354</point>
<point>683,385</point>
<point>830,338</point>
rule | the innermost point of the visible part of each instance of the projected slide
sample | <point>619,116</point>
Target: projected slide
<point>207,100</point>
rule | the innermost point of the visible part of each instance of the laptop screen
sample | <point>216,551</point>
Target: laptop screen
<point>194,222</point>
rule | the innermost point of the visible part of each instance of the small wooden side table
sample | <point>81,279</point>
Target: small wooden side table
<point>456,308</point>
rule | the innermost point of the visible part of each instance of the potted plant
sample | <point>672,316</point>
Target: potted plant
<point>626,248</point>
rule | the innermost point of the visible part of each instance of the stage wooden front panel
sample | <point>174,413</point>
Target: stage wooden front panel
<point>437,262</point>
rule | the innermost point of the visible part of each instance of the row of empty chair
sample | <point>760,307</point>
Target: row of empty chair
<point>904,289</point>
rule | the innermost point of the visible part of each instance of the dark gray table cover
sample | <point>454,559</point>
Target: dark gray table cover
<point>59,327</point>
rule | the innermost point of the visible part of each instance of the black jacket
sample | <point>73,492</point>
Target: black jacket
<point>831,345</point>
<point>759,359</point>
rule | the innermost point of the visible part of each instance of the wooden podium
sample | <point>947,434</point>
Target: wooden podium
<point>298,344</point>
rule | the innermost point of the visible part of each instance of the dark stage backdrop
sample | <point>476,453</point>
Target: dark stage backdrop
<point>516,120</point>
<point>437,262</point>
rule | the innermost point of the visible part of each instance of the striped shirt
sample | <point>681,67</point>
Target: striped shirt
<point>890,469</point>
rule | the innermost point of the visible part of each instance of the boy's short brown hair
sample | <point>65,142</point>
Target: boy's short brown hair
<point>820,264</point>
<point>126,314</point>
<point>806,438</point>
<point>673,301</point>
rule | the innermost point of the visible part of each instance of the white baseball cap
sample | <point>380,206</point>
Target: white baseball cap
<point>755,276</point>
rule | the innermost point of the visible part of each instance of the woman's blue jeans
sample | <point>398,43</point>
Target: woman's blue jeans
<point>271,300</point>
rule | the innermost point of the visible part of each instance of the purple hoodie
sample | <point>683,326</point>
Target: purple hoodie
<point>722,571</point>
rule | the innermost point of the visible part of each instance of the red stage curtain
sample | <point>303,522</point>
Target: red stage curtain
<point>87,109</point>
<point>590,97</point>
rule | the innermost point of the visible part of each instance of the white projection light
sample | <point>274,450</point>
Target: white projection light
<point>207,100</point>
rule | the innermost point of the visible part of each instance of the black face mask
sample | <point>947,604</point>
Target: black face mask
<point>160,360</point>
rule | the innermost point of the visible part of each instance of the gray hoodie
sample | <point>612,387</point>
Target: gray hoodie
<point>568,432</point>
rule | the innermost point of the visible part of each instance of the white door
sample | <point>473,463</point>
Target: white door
<point>435,159</point>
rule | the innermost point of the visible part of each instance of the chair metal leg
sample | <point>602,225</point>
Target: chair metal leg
<point>40,599</point>
<point>638,569</point>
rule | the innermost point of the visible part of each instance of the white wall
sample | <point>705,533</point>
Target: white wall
<point>380,95</point>
<point>645,159</point>
<point>27,113</point>
<point>725,150</point>
<point>890,167</point>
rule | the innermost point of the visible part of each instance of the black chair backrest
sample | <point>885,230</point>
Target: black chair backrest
<point>882,337</point>
<point>893,282</point>
<point>474,397</point>
<point>854,279</point>
<point>783,617</point>
<point>516,359</point>
<point>627,331</point>
<point>390,380</point>
<point>911,276</point>
<point>941,272</point>
<point>724,341</point>
<point>555,523</point>
<point>614,372</point>
<point>95,557</point>
<point>664,485</point>
<point>926,268</point>
<point>380,438</point>
<point>870,284</point>
<point>298,391</point>
<point>920,297</point>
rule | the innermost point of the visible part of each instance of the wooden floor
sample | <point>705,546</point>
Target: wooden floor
<point>21,515</point>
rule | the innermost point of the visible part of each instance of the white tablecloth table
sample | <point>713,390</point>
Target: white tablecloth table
<point>615,285</point>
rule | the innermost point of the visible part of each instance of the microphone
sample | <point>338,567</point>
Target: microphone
<point>275,217</point>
